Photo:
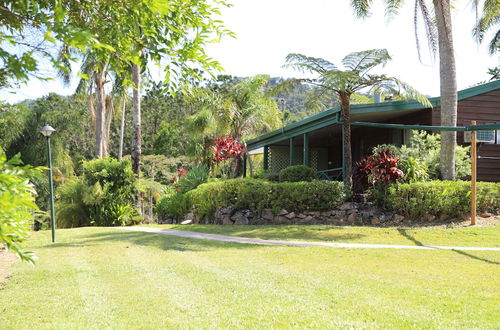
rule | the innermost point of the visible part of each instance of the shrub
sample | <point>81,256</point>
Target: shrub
<point>438,197</point>
<point>414,169</point>
<point>193,178</point>
<point>297,173</point>
<point>426,149</point>
<point>101,197</point>
<point>380,168</point>
<point>17,204</point>
<point>173,206</point>
<point>258,195</point>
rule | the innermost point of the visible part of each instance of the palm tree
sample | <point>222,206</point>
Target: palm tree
<point>344,83</point>
<point>136,120</point>
<point>247,109</point>
<point>490,17</point>
<point>441,23</point>
<point>95,73</point>
<point>241,110</point>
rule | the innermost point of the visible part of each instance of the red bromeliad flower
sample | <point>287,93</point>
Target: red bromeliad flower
<point>226,148</point>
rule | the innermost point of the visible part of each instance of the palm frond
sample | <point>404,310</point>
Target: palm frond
<point>401,89</point>
<point>304,63</point>
<point>489,18</point>
<point>422,9</point>
<point>494,45</point>
<point>361,7</point>
<point>365,60</point>
<point>392,7</point>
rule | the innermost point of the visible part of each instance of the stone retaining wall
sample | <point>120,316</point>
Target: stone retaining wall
<point>349,213</point>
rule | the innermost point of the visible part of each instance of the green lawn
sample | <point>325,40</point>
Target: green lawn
<point>465,236</point>
<point>109,278</point>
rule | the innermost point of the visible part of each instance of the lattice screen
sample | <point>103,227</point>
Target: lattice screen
<point>278,158</point>
<point>314,159</point>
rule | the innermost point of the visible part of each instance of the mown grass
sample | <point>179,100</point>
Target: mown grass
<point>109,278</point>
<point>464,236</point>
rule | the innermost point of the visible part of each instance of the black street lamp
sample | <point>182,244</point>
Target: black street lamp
<point>47,131</point>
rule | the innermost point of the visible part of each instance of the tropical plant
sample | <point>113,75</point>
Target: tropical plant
<point>193,178</point>
<point>487,20</point>
<point>17,204</point>
<point>226,151</point>
<point>421,154</point>
<point>414,169</point>
<point>382,168</point>
<point>344,83</point>
<point>101,197</point>
<point>438,29</point>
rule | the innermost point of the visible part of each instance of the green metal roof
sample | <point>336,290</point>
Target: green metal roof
<point>331,116</point>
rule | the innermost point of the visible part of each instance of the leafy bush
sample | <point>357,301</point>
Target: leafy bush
<point>17,204</point>
<point>297,173</point>
<point>103,196</point>
<point>255,195</point>
<point>258,195</point>
<point>414,169</point>
<point>193,178</point>
<point>425,148</point>
<point>173,206</point>
<point>438,197</point>
<point>380,168</point>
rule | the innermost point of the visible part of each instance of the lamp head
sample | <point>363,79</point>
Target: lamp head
<point>47,130</point>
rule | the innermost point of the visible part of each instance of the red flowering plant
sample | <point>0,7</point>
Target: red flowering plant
<point>181,172</point>
<point>380,168</point>
<point>226,148</point>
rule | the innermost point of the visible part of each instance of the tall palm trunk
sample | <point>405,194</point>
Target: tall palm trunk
<point>122,131</point>
<point>345,105</point>
<point>136,119</point>
<point>100,113</point>
<point>107,126</point>
<point>447,75</point>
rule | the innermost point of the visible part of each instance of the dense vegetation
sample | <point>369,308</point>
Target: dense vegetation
<point>446,199</point>
<point>17,204</point>
<point>255,195</point>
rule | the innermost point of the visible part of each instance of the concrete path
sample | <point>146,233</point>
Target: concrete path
<point>244,240</point>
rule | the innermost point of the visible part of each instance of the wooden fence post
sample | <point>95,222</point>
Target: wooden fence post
<point>474,176</point>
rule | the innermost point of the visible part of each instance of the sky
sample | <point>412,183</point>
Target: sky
<point>268,30</point>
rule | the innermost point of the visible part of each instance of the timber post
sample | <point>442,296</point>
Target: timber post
<point>474,175</point>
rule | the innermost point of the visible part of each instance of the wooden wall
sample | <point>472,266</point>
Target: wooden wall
<point>484,109</point>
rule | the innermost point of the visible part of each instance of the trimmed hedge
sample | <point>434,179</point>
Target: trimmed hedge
<point>255,195</point>
<point>452,198</point>
<point>297,173</point>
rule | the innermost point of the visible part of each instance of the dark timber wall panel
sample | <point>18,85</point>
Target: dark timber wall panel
<point>484,108</point>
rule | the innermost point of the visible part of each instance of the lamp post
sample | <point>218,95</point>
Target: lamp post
<point>47,131</point>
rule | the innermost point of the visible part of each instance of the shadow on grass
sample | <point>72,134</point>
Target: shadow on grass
<point>304,233</point>
<point>161,241</point>
<point>476,257</point>
<point>405,234</point>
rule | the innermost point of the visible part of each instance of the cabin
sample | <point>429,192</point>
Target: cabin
<point>317,141</point>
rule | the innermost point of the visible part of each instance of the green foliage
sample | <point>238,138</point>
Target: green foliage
<point>173,206</point>
<point>17,204</point>
<point>297,173</point>
<point>101,197</point>
<point>255,195</point>
<point>438,197</point>
<point>423,150</point>
<point>414,170</point>
<point>194,177</point>
<point>161,168</point>
<point>71,210</point>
